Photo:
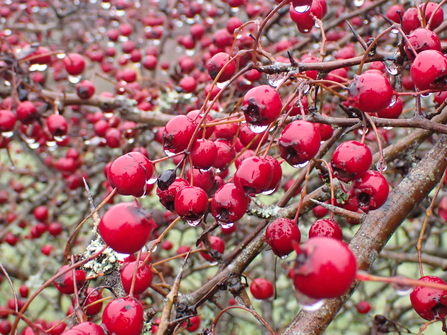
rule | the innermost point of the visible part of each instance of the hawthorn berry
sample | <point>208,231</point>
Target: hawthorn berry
<point>216,244</point>
<point>123,316</point>
<point>363,307</point>
<point>216,63</point>
<point>85,89</point>
<point>429,70</point>
<point>299,142</point>
<point>370,191</point>
<point>261,106</point>
<point>254,175</point>
<point>326,228</point>
<point>229,204</point>
<point>57,125</point>
<point>130,174</point>
<point>282,235</point>
<point>7,120</point>
<point>74,64</point>
<point>177,134</point>
<point>261,289</point>
<point>428,302</point>
<point>65,283</point>
<point>143,277</point>
<point>324,268</point>
<point>370,92</point>
<point>126,227</point>
<point>191,203</point>
<point>351,160</point>
<point>26,112</point>
<point>88,328</point>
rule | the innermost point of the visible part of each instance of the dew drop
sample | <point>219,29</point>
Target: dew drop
<point>193,223</point>
<point>393,101</point>
<point>308,303</point>
<point>60,138</point>
<point>268,192</point>
<point>179,23</point>
<point>395,31</point>
<point>358,3</point>
<point>284,257</point>
<point>275,80</point>
<point>190,52</point>
<point>391,67</point>
<point>34,145</point>
<point>120,12</point>
<point>51,144</point>
<point>296,166</point>
<point>226,225</point>
<point>169,153</point>
<point>256,129</point>
<point>38,67</point>
<point>302,9</point>
<point>401,289</point>
<point>223,84</point>
<point>8,134</point>
<point>306,31</point>
<point>105,5</point>
<point>74,79</point>
<point>190,20</point>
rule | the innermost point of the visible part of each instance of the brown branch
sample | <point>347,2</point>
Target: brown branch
<point>434,261</point>
<point>376,230</point>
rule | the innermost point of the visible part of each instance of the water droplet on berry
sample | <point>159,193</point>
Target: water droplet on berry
<point>308,303</point>
<point>60,138</point>
<point>169,153</point>
<point>391,67</point>
<point>223,84</point>
<point>190,52</point>
<point>8,134</point>
<point>275,79</point>
<point>306,30</point>
<point>302,9</point>
<point>120,12</point>
<point>401,289</point>
<point>268,192</point>
<point>193,223</point>
<point>226,225</point>
<point>179,23</point>
<point>74,79</point>
<point>301,165</point>
<point>256,129</point>
<point>393,101</point>
<point>358,3</point>
<point>38,67</point>
<point>105,5</point>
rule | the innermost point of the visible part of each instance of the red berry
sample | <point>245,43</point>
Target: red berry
<point>193,324</point>
<point>57,125</point>
<point>261,106</point>
<point>143,277</point>
<point>26,112</point>
<point>188,84</point>
<point>93,295</point>
<point>326,228</point>
<point>126,227</point>
<point>65,283</point>
<point>254,175</point>
<point>130,173</point>
<point>217,244</point>
<point>229,204</point>
<point>370,92</point>
<point>370,191</point>
<point>74,64</point>
<point>276,175</point>
<point>41,213</point>
<point>351,160</point>
<point>225,154</point>
<point>299,142</point>
<point>325,268</point>
<point>428,70</point>
<point>203,154</point>
<point>167,195</point>
<point>88,328</point>
<point>7,120</point>
<point>150,62</point>
<point>422,39</point>
<point>124,316</point>
<point>428,302</point>
<point>85,89</point>
<point>282,234</point>
<point>393,111</point>
<point>363,307</point>
<point>217,62</point>
<point>394,13</point>
<point>191,203</point>
<point>177,133</point>
<point>261,289</point>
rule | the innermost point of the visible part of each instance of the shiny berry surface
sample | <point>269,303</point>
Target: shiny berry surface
<point>430,303</point>
<point>217,62</point>
<point>325,268</point>
<point>216,244</point>
<point>191,203</point>
<point>299,142</point>
<point>326,228</point>
<point>261,289</point>
<point>65,283</point>
<point>123,316</point>
<point>143,277</point>
<point>429,70</point>
<point>177,133</point>
<point>351,160</point>
<point>370,191</point>
<point>282,235</point>
<point>126,227</point>
<point>229,204</point>
<point>254,175</point>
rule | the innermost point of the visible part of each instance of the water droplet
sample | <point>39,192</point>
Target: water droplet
<point>301,165</point>
<point>169,153</point>
<point>190,52</point>
<point>74,79</point>
<point>120,12</point>
<point>305,31</point>
<point>308,303</point>
<point>381,166</point>
<point>391,67</point>
<point>234,9</point>
<point>425,95</point>
<point>393,101</point>
<point>284,257</point>
<point>302,9</point>
<point>395,31</point>
<point>275,79</point>
<point>190,20</point>
<point>257,129</point>
<point>358,3</point>
<point>8,134</point>
<point>222,85</point>
<point>51,144</point>
<point>179,23</point>
<point>152,179</point>
<point>402,289</point>
<point>60,138</point>
<point>34,145</point>
<point>193,223</point>
<point>268,192</point>
<point>105,5</point>
<point>226,225</point>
